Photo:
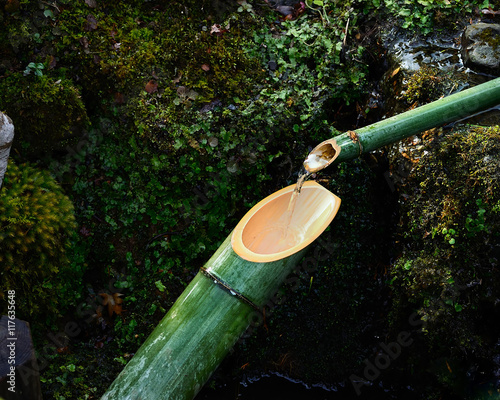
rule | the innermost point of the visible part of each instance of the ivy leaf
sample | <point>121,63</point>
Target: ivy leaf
<point>48,14</point>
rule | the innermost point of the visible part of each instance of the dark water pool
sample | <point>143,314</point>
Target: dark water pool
<point>278,387</point>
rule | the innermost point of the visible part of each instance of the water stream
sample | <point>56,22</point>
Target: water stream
<point>315,161</point>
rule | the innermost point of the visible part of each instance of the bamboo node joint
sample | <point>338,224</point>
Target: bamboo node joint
<point>355,138</point>
<point>227,288</point>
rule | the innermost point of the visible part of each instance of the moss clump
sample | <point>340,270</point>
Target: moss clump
<point>491,37</point>
<point>424,86</point>
<point>36,222</point>
<point>46,112</point>
<point>451,235</point>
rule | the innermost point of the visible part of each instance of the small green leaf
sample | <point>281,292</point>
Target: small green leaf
<point>160,286</point>
<point>458,307</point>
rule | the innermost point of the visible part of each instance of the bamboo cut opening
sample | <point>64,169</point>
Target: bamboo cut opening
<point>322,156</point>
<point>264,234</point>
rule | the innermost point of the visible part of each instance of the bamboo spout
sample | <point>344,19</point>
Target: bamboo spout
<point>322,156</point>
<point>258,236</point>
<point>448,109</point>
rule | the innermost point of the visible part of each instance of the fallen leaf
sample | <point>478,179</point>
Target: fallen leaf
<point>151,87</point>
<point>448,366</point>
<point>91,24</point>
<point>395,72</point>
<point>113,302</point>
<point>177,79</point>
<point>216,28</point>
<point>52,62</point>
<point>205,67</point>
<point>12,6</point>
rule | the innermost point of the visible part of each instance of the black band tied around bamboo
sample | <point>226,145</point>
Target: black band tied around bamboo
<point>227,288</point>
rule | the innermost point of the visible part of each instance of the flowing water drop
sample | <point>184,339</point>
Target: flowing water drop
<point>284,234</point>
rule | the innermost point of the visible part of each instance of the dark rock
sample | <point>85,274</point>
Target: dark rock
<point>285,10</point>
<point>481,47</point>
<point>276,3</point>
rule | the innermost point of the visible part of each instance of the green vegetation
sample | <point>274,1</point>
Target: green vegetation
<point>36,224</point>
<point>447,270</point>
<point>165,121</point>
<point>47,113</point>
<point>426,16</point>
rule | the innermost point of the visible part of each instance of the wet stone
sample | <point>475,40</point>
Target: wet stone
<point>480,47</point>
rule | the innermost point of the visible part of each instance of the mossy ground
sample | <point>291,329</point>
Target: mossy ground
<point>449,228</point>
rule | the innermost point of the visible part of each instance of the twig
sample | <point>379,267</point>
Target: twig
<point>346,28</point>
<point>52,5</point>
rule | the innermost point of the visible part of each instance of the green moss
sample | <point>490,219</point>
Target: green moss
<point>47,113</point>
<point>36,223</point>
<point>490,37</point>
<point>451,235</point>
<point>424,86</point>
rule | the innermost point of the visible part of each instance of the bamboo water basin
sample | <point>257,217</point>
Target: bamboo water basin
<point>258,237</point>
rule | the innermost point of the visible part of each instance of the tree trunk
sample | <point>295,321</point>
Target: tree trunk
<point>6,138</point>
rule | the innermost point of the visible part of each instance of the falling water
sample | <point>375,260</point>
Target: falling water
<point>283,234</point>
<point>287,216</point>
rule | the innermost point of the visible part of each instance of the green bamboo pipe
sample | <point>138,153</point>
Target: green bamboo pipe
<point>448,109</point>
<point>222,300</point>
